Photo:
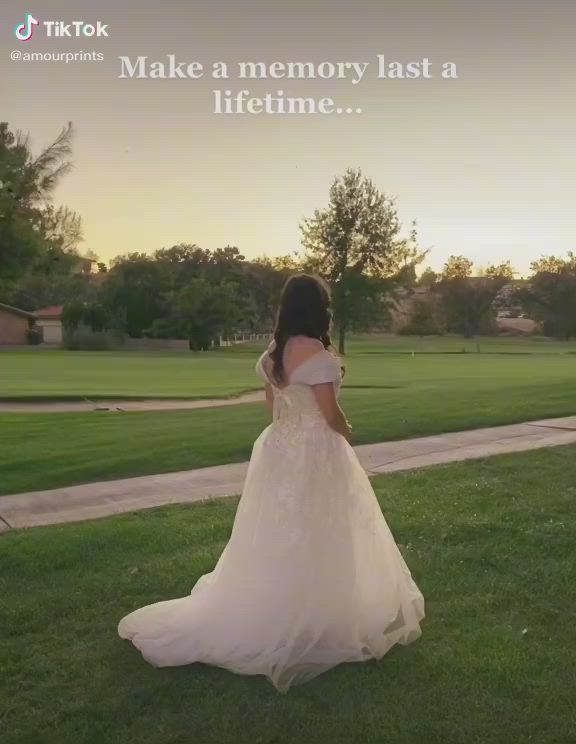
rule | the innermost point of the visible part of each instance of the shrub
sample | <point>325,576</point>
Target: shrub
<point>84,339</point>
<point>34,336</point>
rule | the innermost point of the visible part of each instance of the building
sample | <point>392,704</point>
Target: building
<point>14,325</point>
<point>49,321</point>
<point>507,308</point>
<point>403,303</point>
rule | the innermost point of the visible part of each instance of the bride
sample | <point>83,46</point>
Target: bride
<point>311,576</point>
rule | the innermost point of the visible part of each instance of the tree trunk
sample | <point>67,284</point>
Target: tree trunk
<point>342,339</point>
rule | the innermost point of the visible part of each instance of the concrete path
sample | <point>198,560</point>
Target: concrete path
<point>157,404</point>
<point>132,494</point>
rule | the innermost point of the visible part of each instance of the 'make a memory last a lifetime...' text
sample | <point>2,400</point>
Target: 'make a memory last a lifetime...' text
<point>227,101</point>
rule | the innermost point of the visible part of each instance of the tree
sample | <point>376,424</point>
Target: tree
<point>428,278</point>
<point>39,260</point>
<point>26,187</point>
<point>180,263</point>
<point>93,315</point>
<point>288,264</point>
<point>202,311</point>
<point>424,317</point>
<point>20,243</point>
<point>457,267</point>
<point>62,229</point>
<point>36,290</point>
<point>179,292</point>
<point>134,290</point>
<point>355,236</point>
<point>551,296</point>
<point>264,283</point>
<point>226,263</point>
<point>264,278</point>
<point>370,301</point>
<point>466,300</point>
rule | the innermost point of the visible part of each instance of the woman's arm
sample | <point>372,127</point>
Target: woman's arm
<point>328,403</point>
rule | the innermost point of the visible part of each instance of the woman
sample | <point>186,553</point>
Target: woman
<point>311,576</point>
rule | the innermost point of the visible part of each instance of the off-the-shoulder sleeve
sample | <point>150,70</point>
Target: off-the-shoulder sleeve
<point>317,369</point>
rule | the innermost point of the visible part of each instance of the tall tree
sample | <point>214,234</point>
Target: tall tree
<point>179,292</point>
<point>551,295</point>
<point>133,291</point>
<point>468,300</point>
<point>424,317</point>
<point>264,279</point>
<point>356,235</point>
<point>201,311</point>
<point>35,237</point>
<point>428,278</point>
<point>62,228</point>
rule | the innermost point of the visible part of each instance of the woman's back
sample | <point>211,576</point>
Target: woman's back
<point>304,361</point>
<point>297,351</point>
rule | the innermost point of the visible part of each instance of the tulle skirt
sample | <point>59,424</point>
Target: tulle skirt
<point>310,578</point>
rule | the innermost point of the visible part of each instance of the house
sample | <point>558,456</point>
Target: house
<point>14,325</point>
<point>84,265</point>
<point>506,306</point>
<point>403,302</point>
<point>49,321</point>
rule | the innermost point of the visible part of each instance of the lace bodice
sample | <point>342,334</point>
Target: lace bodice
<point>296,397</point>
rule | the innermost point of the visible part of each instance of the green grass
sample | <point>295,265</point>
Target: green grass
<point>490,543</point>
<point>373,343</point>
<point>41,374</point>
<point>72,375</point>
<point>386,397</point>
<point>385,343</point>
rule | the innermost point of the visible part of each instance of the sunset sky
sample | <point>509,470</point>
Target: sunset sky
<point>486,163</point>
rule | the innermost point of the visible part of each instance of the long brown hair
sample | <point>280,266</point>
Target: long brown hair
<point>304,311</point>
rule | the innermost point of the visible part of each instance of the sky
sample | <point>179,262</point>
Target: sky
<point>484,162</point>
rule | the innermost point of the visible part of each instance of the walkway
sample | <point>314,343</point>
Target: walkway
<point>157,404</point>
<point>132,494</point>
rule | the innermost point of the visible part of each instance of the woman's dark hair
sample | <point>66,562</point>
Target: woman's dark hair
<point>304,311</point>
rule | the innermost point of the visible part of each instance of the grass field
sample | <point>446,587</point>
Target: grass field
<point>61,375</point>
<point>33,374</point>
<point>386,395</point>
<point>490,543</point>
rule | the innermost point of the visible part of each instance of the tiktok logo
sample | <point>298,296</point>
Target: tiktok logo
<point>24,31</point>
<point>61,29</point>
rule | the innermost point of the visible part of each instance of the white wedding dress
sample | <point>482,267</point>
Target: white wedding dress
<point>311,576</point>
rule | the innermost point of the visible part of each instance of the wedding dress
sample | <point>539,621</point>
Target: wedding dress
<point>311,576</point>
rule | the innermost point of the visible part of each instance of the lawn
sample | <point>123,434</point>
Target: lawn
<point>386,396</point>
<point>40,374</point>
<point>371,343</point>
<point>490,543</point>
<point>73,375</point>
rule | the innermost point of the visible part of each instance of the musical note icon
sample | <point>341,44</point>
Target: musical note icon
<point>24,31</point>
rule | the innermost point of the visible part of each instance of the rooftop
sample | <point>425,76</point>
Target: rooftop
<point>54,312</point>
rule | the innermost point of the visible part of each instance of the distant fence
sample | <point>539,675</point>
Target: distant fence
<point>175,344</point>
<point>244,338</point>
<point>85,339</point>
